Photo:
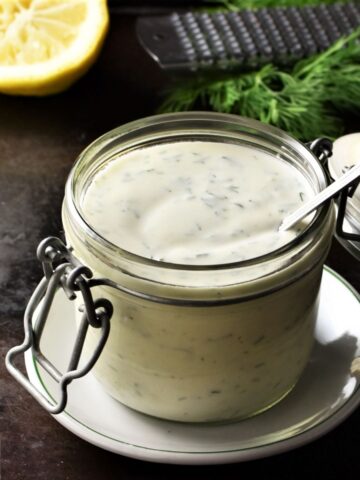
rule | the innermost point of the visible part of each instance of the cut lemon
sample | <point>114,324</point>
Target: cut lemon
<point>45,45</point>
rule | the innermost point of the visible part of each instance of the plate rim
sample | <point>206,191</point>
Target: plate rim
<point>143,452</point>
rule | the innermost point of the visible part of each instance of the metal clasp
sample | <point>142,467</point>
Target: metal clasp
<point>61,270</point>
<point>343,198</point>
<point>322,148</point>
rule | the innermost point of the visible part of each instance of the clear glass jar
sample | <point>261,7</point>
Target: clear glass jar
<point>202,343</point>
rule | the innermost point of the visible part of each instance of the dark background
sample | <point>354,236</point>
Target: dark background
<point>39,141</point>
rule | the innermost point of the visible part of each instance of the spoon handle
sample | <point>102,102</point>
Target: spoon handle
<point>329,192</point>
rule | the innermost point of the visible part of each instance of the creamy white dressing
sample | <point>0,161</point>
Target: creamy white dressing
<point>202,203</point>
<point>212,363</point>
<point>195,202</point>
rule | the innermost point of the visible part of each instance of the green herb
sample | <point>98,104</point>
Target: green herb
<point>306,100</point>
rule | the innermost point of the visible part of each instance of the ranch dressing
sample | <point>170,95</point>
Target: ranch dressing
<point>200,338</point>
<point>195,202</point>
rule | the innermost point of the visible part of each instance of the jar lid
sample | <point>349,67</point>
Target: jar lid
<point>346,154</point>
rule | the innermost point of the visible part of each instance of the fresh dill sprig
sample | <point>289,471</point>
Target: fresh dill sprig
<point>306,100</point>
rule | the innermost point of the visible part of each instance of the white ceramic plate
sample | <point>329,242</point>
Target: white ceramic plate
<point>326,394</point>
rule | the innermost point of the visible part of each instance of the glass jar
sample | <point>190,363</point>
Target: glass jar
<point>202,343</point>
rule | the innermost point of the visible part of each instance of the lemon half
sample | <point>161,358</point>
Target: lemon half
<point>46,45</point>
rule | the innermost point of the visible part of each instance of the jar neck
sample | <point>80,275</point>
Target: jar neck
<point>121,265</point>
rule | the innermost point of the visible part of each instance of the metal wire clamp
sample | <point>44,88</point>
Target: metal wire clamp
<point>61,270</point>
<point>322,148</point>
<point>344,196</point>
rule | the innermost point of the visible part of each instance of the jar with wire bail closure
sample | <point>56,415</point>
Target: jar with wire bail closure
<point>201,341</point>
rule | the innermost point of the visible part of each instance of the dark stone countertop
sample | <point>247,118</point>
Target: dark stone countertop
<point>39,141</point>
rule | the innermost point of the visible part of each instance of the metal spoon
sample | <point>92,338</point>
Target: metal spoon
<point>344,181</point>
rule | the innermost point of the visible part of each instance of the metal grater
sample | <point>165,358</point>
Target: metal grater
<point>245,39</point>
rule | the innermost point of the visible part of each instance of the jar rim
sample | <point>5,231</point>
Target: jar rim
<point>221,119</point>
